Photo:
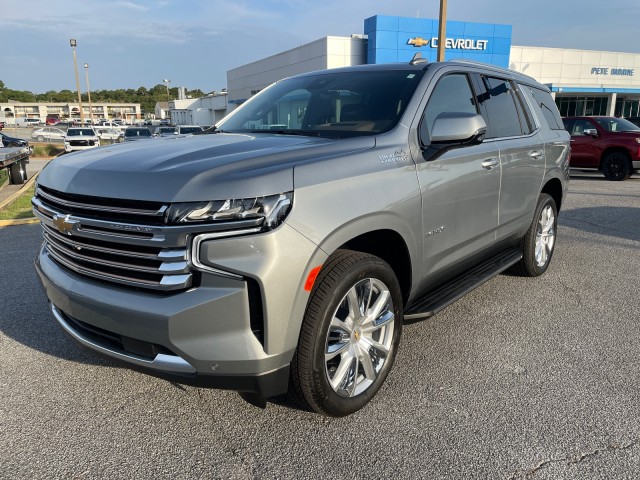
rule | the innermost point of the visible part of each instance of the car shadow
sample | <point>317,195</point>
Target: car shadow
<point>25,316</point>
<point>618,222</point>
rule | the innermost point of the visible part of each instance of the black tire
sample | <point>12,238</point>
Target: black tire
<point>616,166</point>
<point>344,272</point>
<point>543,231</point>
<point>40,138</point>
<point>18,173</point>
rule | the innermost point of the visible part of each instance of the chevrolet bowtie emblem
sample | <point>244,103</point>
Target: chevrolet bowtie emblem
<point>418,42</point>
<point>64,224</point>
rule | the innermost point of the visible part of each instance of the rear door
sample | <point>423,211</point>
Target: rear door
<point>513,133</point>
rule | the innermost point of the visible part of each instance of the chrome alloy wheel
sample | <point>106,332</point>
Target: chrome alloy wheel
<point>359,338</point>
<point>545,236</point>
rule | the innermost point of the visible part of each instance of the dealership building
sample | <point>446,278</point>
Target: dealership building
<point>583,82</point>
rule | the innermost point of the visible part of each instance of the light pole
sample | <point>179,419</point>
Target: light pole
<point>86,71</point>
<point>166,82</point>
<point>73,44</point>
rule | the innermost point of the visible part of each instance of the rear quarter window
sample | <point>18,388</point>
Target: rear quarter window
<point>548,107</point>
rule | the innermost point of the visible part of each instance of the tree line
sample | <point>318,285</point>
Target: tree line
<point>146,97</point>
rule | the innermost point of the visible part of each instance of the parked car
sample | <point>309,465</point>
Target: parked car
<point>8,141</point>
<point>110,133</point>
<point>164,131</point>
<point>48,133</point>
<point>132,134</point>
<point>287,251</point>
<point>52,121</point>
<point>187,129</point>
<point>80,138</point>
<point>1,125</point>
<point>608,144</point>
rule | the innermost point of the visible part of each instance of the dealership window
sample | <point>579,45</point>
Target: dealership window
<point>579,106</point>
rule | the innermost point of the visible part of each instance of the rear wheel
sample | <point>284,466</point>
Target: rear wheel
<point>349,336</point>
<point>18,173</point>
<point>616,166</point>
<point>540,240</point>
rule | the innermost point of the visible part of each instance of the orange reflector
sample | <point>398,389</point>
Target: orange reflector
<point>313,274</point>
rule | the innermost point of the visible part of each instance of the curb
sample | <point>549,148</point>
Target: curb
<point>22,221</point>
<point>15,195</point>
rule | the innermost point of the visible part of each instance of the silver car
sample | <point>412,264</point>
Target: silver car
<point>48,134</point>
<point>284,250</point>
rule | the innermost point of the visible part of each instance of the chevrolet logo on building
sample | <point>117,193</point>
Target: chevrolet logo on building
<point>64,224</point>
<point>418,42</point>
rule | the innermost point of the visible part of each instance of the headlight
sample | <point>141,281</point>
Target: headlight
<point>637,139</point>
<point>269,211</point>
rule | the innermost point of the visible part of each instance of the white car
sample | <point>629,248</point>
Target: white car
<point>81,138</point>
<point>109,133</point>
<point>48,133</point>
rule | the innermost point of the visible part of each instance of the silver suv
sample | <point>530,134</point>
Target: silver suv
<point>284,250</point>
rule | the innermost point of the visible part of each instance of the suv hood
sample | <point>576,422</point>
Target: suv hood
<point>193,168</point>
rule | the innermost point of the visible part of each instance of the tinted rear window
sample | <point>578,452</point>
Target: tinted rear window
<point>548,107</point>
<point>499,102</point>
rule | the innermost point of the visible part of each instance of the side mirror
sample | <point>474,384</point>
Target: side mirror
<point>458,127</point>
<point>590,131</point>
<point>452,130</point>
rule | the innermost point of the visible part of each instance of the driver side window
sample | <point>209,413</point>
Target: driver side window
<point>452,94</point>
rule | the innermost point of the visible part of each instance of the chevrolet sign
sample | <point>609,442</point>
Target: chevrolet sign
<point>453,43</point>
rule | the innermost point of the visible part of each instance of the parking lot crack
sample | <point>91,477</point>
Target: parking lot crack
<point>571,460</point>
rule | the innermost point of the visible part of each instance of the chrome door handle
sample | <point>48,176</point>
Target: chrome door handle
<point>537,154</point>
<point>490,164</point>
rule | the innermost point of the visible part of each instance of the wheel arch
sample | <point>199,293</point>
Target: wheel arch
<point>388,244</point>
<point>554,188</point>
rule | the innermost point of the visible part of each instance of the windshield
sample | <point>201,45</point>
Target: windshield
<point>612,124</point>
<point>332,104</point>
<point>81,132</point>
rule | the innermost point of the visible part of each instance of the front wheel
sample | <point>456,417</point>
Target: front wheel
<point>616,166</point>
<point>349,335</point>
<point>40,138</point>
<point>540,239</point>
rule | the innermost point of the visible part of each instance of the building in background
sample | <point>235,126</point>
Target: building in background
<point>11,112</point>
<point>205,111</point>
<point>584,82</point>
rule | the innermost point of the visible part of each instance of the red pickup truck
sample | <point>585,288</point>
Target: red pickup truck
<point>609,144</point>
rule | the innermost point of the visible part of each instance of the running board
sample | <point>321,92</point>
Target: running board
<point>435,300</point>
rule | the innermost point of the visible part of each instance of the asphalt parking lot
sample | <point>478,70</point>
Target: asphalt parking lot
<point>523,378</point>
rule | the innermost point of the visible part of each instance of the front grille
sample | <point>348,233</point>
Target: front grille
<point>82,143</point>
<point>116,241</point>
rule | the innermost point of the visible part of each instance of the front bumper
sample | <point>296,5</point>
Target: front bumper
<point>201,336</point>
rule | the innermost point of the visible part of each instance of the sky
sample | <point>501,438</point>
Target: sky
<point>134,43</point>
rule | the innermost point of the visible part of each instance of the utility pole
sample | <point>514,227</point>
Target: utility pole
<point>73,44</point>
<point>442,30</point>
